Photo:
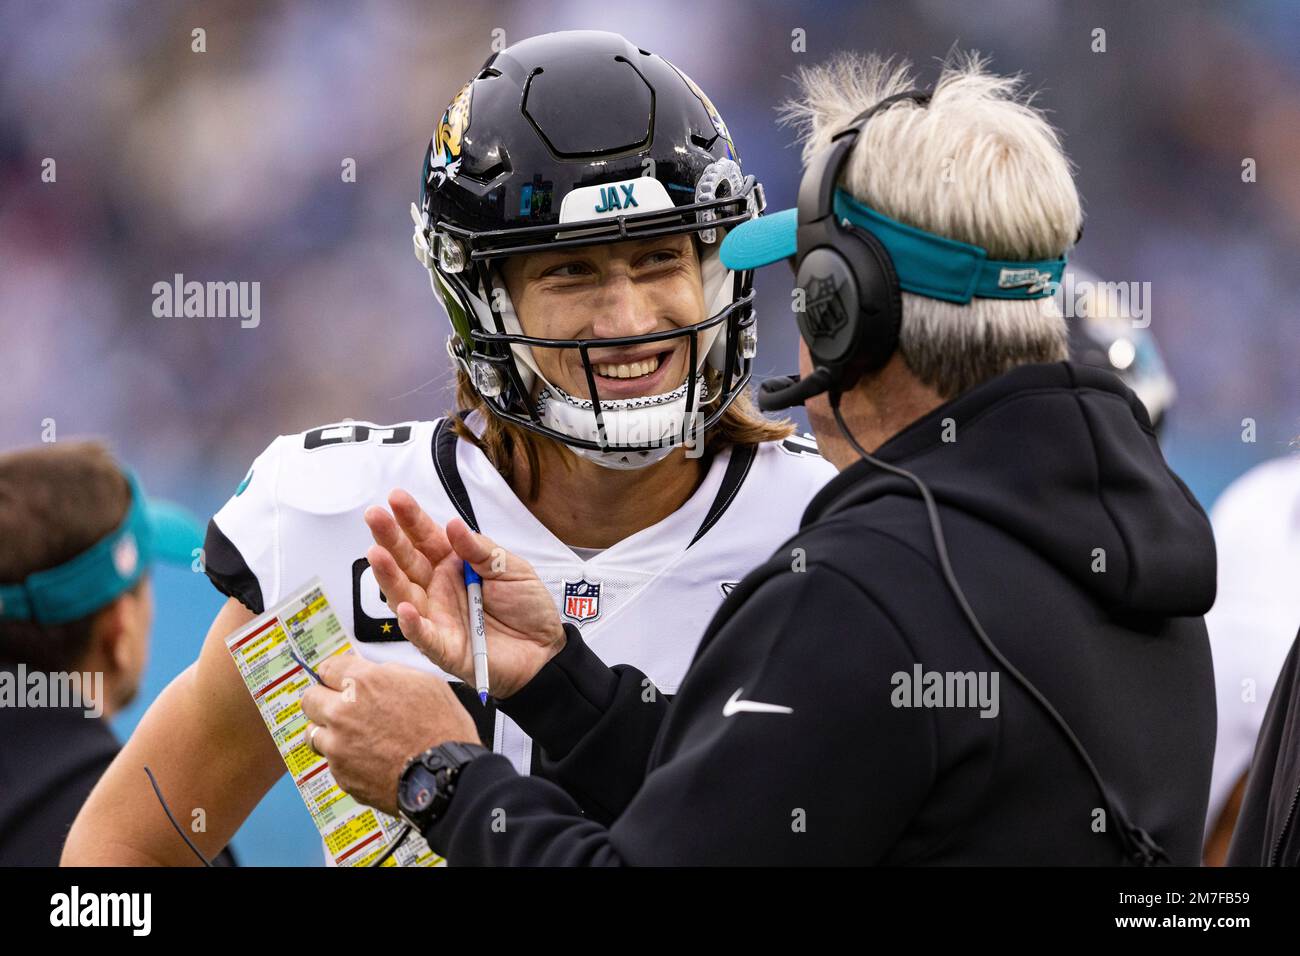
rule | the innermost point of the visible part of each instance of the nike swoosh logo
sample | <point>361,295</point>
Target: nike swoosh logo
<point>737,706</point>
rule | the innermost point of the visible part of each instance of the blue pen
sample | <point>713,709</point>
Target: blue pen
<point>478,631</point>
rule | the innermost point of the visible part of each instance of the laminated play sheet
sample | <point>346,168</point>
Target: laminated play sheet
<point>304,624</point>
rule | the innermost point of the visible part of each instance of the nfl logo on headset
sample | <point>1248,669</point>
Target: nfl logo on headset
<point>826,314</point>
<point>581,601</point>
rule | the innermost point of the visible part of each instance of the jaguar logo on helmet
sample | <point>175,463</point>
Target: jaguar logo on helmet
<point>444,150</point>
<point>714,116</point>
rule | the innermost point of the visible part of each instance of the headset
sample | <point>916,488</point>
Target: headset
<point>850,323</point>
<point>852,306</point>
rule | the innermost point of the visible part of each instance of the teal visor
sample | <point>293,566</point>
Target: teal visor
<point>927,264</point>
<point>151,530</point>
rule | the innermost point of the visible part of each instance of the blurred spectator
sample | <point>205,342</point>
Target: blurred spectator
<point>1252,624</point>
<point>76,541</point>
<point>1268,830</point>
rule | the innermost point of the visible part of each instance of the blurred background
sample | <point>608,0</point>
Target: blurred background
<point>226,165</point>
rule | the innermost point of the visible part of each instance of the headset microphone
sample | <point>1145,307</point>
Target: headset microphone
<point>787,391</point>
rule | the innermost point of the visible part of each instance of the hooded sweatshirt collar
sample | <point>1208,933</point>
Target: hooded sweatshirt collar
<point>1062,457</point>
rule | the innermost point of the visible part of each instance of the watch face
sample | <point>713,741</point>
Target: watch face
<point>428,783</point>
<point>417,790</point>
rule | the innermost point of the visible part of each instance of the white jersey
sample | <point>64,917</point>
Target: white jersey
<point>1256,611</point>
<point>645,601</point>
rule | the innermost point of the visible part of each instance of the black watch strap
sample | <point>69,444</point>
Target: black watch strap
<point>428,783</point>
<point>458,754</point>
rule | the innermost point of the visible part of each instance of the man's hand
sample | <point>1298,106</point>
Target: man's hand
<point>373,718</point>
<point>418,566</point>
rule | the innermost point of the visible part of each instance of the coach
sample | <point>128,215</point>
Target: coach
<point>844,705</point>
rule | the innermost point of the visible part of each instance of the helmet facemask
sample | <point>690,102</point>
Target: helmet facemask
<point>489,344</point>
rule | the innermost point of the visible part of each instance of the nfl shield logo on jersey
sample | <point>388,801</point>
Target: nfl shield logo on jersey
<point>581,601</point>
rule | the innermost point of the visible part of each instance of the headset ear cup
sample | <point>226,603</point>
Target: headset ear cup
<point>828,317</point>
<point>880,302</point>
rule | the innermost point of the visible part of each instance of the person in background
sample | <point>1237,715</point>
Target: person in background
<point>76,542</point>
<point>1252,624</point>
<point>1104,333</point>
<point>1257,532</point>
<point>1266,829</point>
<point>1265,803</point>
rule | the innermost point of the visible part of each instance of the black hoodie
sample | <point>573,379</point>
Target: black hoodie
<point>807,729</point>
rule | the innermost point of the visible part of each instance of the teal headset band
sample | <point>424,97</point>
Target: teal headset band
<point>92,579</point>
<point>940,268</point>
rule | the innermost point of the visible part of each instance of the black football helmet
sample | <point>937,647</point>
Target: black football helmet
<point>571,139</point>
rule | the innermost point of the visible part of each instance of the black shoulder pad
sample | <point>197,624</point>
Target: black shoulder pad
<point>228,571</point>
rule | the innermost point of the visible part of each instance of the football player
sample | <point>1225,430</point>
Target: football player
<point>573,200</point>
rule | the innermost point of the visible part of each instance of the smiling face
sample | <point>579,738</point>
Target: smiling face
<point>606,291</point>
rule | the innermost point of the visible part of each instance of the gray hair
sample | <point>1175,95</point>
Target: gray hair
<point>979,164</point>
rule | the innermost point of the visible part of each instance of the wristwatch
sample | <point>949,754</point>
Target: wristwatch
<point>428,782</point>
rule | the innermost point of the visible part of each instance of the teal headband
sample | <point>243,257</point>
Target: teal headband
<point>927,264</point>
<point>107,569</point>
